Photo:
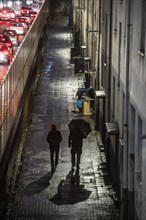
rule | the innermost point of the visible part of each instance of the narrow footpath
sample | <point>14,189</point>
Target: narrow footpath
<point>38,195</point>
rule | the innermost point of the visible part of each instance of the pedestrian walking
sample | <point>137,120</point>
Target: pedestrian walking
<point>54,138</point>
<point>76,143</point>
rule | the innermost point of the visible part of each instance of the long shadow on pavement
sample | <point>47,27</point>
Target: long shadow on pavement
<point>70,191</point>
<point>39,185</point>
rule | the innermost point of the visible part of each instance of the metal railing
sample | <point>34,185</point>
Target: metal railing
<point>13,85</point>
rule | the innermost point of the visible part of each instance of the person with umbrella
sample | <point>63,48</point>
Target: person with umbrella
<point>54,138</point>
<point>76,143</point>
<point>79,129</point>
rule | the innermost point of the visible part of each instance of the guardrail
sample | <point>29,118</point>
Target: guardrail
<point>13,85</point>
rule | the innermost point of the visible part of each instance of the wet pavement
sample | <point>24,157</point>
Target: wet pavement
<point>38,194</point>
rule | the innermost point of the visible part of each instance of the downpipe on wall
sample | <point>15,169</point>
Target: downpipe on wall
<point>124,200</point>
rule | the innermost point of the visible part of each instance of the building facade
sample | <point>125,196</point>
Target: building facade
<point>110,43</point>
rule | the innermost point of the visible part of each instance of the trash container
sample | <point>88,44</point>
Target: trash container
<point>86,108</point>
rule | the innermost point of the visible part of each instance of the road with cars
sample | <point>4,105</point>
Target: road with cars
<point>18,22</point>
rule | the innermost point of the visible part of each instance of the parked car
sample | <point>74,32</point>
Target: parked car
<point>5,54</point>
<point>19,30</point>
<point>13,36</point>
<point>5,39</point>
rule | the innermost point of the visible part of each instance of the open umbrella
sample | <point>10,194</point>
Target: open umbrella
<point>78,126</point>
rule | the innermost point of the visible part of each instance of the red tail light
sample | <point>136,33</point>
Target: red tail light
<point>9,44</point>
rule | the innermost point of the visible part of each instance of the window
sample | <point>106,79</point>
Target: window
<point>102,11</point>
<point>83,3</point>
<point>132,134</point>
<point>113,97</point>
<point>123,111</point>
<point>139,149</point>
<point>142,37</point>
<point>119,52</point>
<point>115,15</point>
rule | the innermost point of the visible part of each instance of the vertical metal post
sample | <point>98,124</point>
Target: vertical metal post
<point>109,72</point>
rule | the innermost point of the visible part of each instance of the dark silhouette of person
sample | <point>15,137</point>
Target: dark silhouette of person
<point>54,138</point>
<point>75,141</point>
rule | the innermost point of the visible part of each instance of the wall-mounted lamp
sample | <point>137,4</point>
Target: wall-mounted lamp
<point>87,59</point>
<point>92,72</point>
<point>83,47</point>
<point>141,52</point>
